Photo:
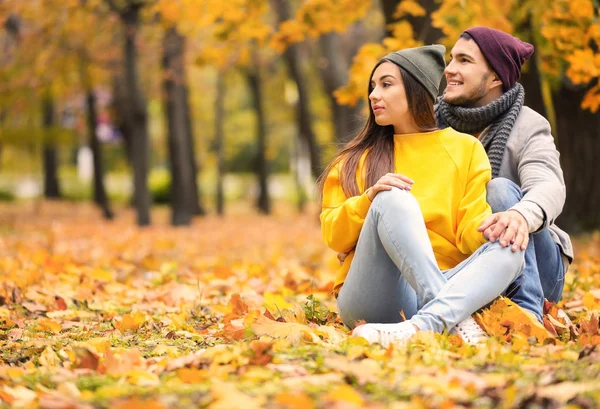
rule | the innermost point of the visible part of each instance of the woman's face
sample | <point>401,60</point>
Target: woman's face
<point>388,97</point>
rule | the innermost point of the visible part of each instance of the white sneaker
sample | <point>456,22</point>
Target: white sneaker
<point>385,334</point>
<point>470,331</point>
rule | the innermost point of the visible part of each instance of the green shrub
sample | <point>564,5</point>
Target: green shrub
<point>6,196</point>
<point>160,186</point>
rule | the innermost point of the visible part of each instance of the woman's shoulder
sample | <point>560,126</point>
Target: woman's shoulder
<point>454,137</point>
<point>461,147</point>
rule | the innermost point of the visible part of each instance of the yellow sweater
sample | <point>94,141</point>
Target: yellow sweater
<point>450,170</point>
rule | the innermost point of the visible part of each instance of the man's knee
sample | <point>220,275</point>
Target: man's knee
<point>502,194</point>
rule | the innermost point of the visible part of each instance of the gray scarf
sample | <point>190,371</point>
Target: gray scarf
<point>500,115</point>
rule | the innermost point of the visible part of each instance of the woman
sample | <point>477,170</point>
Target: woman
<point>406,199</point>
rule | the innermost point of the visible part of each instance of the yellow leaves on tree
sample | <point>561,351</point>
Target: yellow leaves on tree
<point>370,53</point>
<point>454,16</point>
<point>316,17</point>
<point>572,29</point>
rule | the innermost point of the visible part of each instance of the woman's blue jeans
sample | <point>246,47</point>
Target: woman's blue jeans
<point>394,270</point>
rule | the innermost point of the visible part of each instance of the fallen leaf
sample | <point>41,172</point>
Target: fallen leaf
<point>295,401</point>
<point>345,394</point>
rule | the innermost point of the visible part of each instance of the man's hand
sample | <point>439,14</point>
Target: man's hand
<point>509,227</point>
<point>341,257</point>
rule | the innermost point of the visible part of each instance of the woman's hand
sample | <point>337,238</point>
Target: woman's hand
<point>387,182</point>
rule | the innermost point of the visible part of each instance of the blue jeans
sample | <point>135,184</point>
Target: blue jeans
<point>394,269</point>
<point>544,274</point>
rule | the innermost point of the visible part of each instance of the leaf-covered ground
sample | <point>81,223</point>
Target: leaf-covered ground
<point>237,313</point>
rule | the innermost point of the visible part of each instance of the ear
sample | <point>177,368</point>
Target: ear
<point>496,81</point>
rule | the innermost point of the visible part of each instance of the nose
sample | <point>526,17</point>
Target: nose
<point>374,95</point>
<point>450,68</point>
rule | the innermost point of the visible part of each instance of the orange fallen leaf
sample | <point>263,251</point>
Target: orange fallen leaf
<point>295,401</point>
<point>261,353</point>
<point>137,403</point>
<point>192,375</point>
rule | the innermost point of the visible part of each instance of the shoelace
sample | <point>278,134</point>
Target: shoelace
<point>387,337</point>
<point>470,330</point>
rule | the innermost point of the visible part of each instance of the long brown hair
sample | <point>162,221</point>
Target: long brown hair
<point>379,140</point>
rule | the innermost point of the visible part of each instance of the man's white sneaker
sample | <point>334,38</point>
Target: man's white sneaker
<point>385,334</point>
<point>470,331</point>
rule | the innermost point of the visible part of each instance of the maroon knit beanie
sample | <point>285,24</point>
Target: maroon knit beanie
<point>505,53</point>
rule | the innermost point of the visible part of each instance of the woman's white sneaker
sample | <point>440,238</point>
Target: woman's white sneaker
<point>385,334</point>
<point>470,331</point>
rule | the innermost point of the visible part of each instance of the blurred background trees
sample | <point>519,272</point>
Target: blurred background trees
<point>201,103</point>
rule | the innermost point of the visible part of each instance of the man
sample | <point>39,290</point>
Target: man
<point>527,190</point>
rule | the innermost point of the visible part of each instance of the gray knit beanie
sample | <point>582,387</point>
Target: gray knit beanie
<point>426,64</point>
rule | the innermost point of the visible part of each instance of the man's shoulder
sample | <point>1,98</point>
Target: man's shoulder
<point>528,122</point>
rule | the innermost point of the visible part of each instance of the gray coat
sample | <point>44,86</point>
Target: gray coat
<point>531,160</point>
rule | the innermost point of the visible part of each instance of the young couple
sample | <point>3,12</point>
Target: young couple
<point>438,209</point>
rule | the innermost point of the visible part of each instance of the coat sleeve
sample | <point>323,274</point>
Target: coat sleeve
<point>342,218</point>
<point>541,177</point>
<point>473,207</point>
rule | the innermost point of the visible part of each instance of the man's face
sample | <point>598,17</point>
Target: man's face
<point>470,80</point>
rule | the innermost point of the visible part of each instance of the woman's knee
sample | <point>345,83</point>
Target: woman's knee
<point>510,262</point>
<point>397,202</point>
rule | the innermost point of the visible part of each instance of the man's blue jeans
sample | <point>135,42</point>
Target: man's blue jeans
<point>544,274</point>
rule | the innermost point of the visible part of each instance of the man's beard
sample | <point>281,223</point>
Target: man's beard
<point>470,99</point>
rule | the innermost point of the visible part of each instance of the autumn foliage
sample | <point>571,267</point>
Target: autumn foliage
<point>237,312</point>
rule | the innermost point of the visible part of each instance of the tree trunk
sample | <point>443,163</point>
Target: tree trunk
<point>334,74</point>
<point>261,164</point>
<point>578,143</point>
<point>388,7</point>
<point>137,117</point>
<point>120,108</point>
<point>182,169</point>
<point>50,156</point>
<point>100,196</point>
<point>219,141</point>
<point>292,58</point>
<point>197,205</point>
<point>531,78</point>
<point>533,92</point>
<point>423,29</point>
<point>301,170</point>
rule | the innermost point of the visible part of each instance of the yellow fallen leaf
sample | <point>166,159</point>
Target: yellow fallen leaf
<point>288,330</point>
<point>274,302</point>
<point>131,322</point>
<point>21,395</point>
<point>49,358</point>
<point>227,396</point>
<point>142,378</point>
<point>49,325</point>
<point>101,275</point>
<point>345,394</point>
<point>565,391</point>
<point>161,349</point>
<point>591,302</point>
